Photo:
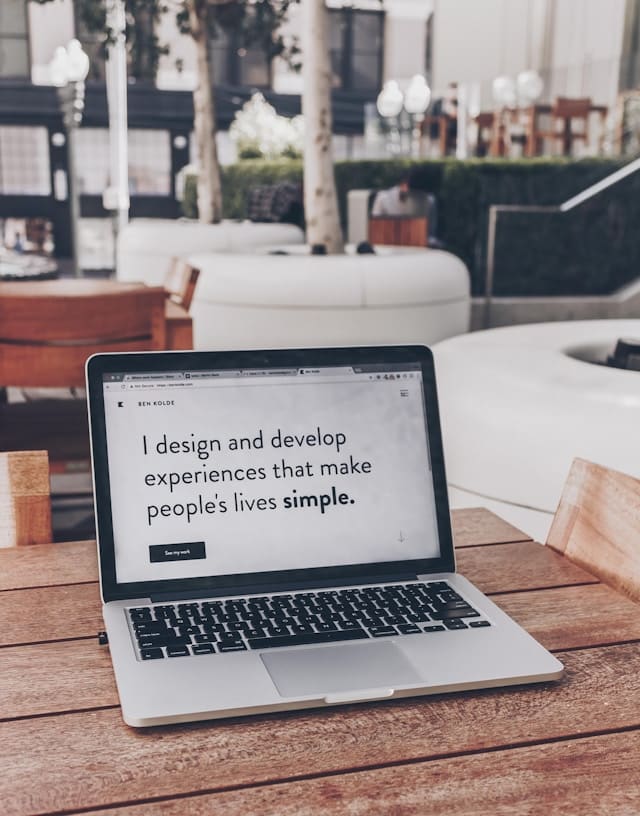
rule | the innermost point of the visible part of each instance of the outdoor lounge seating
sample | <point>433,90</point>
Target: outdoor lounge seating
<point>147,247</point>
<point>518,404</point>
<point>400,295</point>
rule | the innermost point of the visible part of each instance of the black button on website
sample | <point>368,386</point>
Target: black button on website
<point>186,551</point>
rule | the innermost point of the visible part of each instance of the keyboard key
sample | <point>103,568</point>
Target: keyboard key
<point>143,614</point>
<point>151,654</point>
<point>164,640</point>
<point>455,623</point>
<point>433,628</point>
<point>178,651</point>
<point>204,648</point>
<point>382,631</point>
<point>204,638</point>
<point>449,614</point>
<point>478,624</point>
<point>238,646</point>
<point>408,628</point>
<point>307,639</point>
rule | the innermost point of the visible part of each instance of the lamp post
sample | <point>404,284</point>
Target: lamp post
<point>415,101</point>
<point>68,70</point>
<point>389,104</point>
<point>116,196</point>
<point>511,94</point>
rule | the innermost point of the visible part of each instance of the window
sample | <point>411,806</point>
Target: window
<point>232,63</point>
<point>24,161</point>
<point>14,39</point>
<point>356,42</point>
<point>149,161</point>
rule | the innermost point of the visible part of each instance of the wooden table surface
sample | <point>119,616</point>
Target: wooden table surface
<point>179,321</point>
<point>571,747</point>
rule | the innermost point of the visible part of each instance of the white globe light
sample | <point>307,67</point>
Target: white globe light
<point>59,67</point>
<point>417,96</point>
<point>530,85</point>
<point>390,99</point>
<point>78,62</point>
<point>504,91</point>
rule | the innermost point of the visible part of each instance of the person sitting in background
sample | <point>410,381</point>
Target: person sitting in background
<point>397,200</point>
<point>404,200</point>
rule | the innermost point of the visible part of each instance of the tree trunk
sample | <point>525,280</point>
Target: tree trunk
<point>320,199</point>
<point>209,189</point>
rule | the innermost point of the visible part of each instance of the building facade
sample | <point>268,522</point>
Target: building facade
<point>580,47</point>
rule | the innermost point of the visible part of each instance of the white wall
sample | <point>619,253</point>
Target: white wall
<point>586,48</point>
<point>405,37</point>
<point>478,40</point>
<point>50,25</point>
<point>575,44</point>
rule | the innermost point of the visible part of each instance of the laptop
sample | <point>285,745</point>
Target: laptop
<point>274,533</point>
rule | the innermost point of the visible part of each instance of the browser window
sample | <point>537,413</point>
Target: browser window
<point>239,471</point>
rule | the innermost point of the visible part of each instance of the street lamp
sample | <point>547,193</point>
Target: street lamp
<point>389,105</point>
<point>68,70</point>
<point>415,100</point>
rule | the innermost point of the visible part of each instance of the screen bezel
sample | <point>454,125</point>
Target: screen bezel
<point>101,364</point>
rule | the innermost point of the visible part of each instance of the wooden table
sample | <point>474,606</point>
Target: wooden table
<point>179,321</point>
<point>571,747</point>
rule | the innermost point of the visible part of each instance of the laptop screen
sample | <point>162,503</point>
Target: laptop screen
<point>249,470</point>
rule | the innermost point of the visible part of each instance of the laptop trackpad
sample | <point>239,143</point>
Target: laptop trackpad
<point>330,669</point>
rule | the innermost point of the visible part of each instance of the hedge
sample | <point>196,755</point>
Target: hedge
<point>592,250</point>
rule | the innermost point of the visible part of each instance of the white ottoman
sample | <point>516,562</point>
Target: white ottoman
<point>400,295</point>
<point>147,245</point>
<point>516,409</point>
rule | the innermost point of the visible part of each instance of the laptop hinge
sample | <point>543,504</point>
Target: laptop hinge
<point>293,586</point>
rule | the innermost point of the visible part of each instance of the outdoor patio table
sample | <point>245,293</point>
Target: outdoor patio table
<point>179,321</point>
<point>567,747</point>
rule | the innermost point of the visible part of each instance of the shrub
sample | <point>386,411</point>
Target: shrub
<point>591,250</point>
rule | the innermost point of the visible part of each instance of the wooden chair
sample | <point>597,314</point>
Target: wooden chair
<point>180,282</point>
<point>484,123</point>
<point>565,113</point>
<point>399,230</point>
<point>25,505</point>
<point>597,525</point>
<point>47,331</point>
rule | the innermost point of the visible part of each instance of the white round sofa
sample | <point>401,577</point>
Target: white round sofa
<point>399,295</point>
<point>147,245</point>
<point>517,407</point>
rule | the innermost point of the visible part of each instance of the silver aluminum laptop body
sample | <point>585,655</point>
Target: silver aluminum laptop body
<point>227,481</point>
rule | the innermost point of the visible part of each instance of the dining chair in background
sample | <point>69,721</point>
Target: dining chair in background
<point>25,502</point>
<point>47,331</point>
<point>597,525</point>
<point>180,282</point>
<point>569,123</point>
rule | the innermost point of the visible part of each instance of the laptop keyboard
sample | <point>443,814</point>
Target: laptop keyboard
<point>301,618</point>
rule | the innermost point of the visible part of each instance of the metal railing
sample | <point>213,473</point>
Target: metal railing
<point>568,205</point>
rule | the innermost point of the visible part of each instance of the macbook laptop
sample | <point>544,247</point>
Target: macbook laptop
<point>274,533</point>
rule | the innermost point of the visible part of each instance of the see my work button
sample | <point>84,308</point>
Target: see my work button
<point>188,551</point>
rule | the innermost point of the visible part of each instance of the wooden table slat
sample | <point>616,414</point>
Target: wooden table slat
<point>477,526</point>
<point>76,562</point>
<point>49,565</point>
<point>518,566</point>
<point>562,618</point>
<point>557,778</point>
<point>100,761</point>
